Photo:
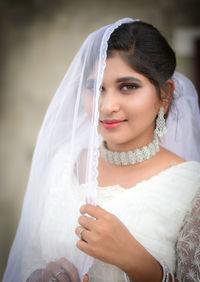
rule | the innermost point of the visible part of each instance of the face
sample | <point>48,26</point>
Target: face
<point>129,105</point>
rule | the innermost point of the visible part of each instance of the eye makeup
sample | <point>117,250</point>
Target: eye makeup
<point>126,84</point>
<point>128,87</point>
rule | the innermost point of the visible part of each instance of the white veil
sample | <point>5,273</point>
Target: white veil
<point>66,156</point>
<point>69,129</point>
<point>183,121</point>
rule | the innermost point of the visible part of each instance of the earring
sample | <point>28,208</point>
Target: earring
<point>161,129</point>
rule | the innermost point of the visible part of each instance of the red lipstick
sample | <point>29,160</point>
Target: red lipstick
<point>112,123</point>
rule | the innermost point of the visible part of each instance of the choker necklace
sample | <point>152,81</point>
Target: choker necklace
<point>130,157</point>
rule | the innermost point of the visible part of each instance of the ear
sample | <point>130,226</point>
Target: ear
<point>167,94</point>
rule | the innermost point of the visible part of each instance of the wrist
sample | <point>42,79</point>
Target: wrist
<point>141,266</point>
<point>166,275</point>
<point>171,278</point>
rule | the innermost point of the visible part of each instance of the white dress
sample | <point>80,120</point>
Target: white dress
<point>153,211</point>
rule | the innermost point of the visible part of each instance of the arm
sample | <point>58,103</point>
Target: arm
<point>107,239</point>
<point>188,245</point>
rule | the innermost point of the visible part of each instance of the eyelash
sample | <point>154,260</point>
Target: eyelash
<point>133,87</point>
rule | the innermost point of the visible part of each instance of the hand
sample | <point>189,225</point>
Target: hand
<point>69,274</point>
<point>105,237</point>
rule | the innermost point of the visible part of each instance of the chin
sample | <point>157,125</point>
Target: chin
<point>116,141</point>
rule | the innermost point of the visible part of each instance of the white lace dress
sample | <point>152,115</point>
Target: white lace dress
<point>153,211</point>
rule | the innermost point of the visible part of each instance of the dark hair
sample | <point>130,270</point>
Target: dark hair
<point>145,50</point>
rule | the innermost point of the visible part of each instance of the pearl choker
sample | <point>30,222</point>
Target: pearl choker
<point>130,157</point>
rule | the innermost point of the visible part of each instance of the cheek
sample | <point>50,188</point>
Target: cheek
<point>89,104</point>
<point>146,105</point>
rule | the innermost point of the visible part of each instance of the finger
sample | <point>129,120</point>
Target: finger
<point>45,276</point>
<point>87,222</point>
<point>84,247</point>
<point>70,269</point>
<point>84,233</point>
<point>51,269</point>
<point>85,278</point>
<point>36,275</point>
<point>54,269</point>
<point>62,275</point>
<point>94,211</point>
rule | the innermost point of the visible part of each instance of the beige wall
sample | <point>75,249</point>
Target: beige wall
<point>38,46</point>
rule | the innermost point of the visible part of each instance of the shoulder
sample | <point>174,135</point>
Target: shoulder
<point>168,158</point>
<point>163,161</point>
<point>175,166</point>
<point>186,173</point>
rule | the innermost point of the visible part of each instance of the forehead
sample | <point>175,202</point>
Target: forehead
<point>117,67</point>
<point>114,65</point>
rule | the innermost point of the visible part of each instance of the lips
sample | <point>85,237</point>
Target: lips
<point>112,124</point>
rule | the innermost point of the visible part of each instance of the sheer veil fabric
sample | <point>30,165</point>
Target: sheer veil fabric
<point>183,121</point>
<point>68,145</point>
<point>69,129</point>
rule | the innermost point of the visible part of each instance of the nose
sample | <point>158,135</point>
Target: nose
<point>109,102</point>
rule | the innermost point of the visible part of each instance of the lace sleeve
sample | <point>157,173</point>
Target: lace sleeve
<point>188,245</point>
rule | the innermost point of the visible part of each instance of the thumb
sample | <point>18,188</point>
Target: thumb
<point>85,278</point>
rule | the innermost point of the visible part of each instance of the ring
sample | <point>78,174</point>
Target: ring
<point>55,278</point>
<point>62,271</point>
<point>80,234</point>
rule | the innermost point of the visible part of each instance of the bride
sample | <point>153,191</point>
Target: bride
<point>120,141</point>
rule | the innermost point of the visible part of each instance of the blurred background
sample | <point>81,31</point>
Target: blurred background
<point>38,40</point>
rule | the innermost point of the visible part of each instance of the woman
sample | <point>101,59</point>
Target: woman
<point>100,142</point>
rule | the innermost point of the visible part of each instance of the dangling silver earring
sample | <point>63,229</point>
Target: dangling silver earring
<point>161,129</point>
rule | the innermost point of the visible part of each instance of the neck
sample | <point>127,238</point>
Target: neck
<point>130,157</point>
<point>134,144</point>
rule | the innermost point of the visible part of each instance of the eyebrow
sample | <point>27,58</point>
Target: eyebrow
<point>127,78</point>
<point>90,80</point>
<point>121,79</point>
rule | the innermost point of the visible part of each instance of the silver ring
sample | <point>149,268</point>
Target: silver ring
<point>80,234</point>
<point>55,278</point>
<point>62,271</point>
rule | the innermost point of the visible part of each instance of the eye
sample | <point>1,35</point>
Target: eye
<point>90,84</point>
<point>129,87</point>
<point>102,88</point>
